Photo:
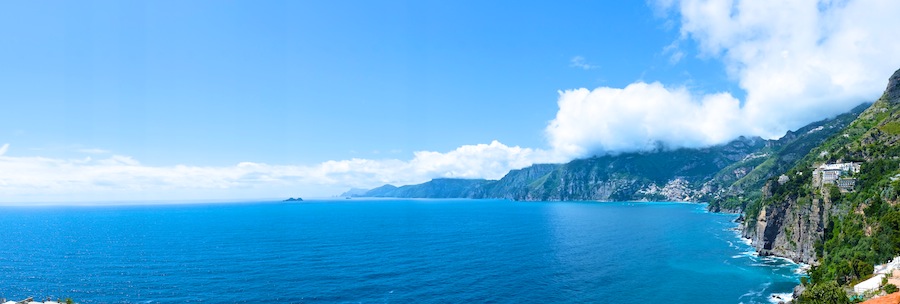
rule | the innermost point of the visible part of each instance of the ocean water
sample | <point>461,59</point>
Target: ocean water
<point>384,251</point>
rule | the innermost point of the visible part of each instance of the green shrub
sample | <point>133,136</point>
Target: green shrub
<point>824,293</point>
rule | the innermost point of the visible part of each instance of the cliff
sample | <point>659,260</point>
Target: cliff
<point>823,225</point>
<point>789,228</point>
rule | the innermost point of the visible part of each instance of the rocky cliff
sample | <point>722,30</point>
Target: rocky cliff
<point>796,219</point>
<point>789,228</point>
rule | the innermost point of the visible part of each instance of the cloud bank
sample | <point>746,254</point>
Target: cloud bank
<point>640,117</point>
<point>41,179</point>
<point>797,61</point>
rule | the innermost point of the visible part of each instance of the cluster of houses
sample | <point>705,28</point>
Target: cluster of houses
<point>836,174</point>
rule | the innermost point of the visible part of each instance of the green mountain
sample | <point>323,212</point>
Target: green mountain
<point>728,176</point>
<point>436,188</point>
<point>842,231</point>
<point>659,175</point>
<point>740,183</point>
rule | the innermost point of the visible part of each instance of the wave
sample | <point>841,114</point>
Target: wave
<point>756,292</point>
<point>781,297</point>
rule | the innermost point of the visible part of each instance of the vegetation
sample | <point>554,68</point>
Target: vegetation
<point>868,231</point>
<point>783,155</point>
<point>825,293</point>
<point>890,288</point>
<point>862,227</point>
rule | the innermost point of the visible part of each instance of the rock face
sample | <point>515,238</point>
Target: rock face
<point>789,229</point>
<point>892,93</point>
<point>515,184</point>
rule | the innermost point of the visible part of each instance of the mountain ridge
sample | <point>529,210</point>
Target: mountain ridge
<point>714,174</point>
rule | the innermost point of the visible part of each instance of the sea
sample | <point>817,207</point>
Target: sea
<point>384,251</point>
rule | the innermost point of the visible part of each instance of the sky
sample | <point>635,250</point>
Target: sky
<point>184,100</point>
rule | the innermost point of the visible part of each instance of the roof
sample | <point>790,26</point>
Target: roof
<point>893,298</point>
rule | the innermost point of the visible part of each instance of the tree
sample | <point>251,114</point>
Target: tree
<point>824,293</point>
<point>834,193</point>
<point>861,268</point>
<point>890,288</point>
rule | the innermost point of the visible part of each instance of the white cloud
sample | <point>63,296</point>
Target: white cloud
<point>581,63</point>
<point>3,149</point>
<point>798,61</point>
<point>638,117</point>
<point>124,178</point>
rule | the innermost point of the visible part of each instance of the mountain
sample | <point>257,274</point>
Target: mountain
<point>841,230</point>
<point>354,192</point>
<point>728,176</point>
<point>383,191</point>
<point>658,175</point>
<point>662,174</point>
<point>740,183</point>
<point>436,188</point>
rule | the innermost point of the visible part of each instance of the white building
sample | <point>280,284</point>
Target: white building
<point>869,285</point>
<point>829,174</point>
<point>880,272</point>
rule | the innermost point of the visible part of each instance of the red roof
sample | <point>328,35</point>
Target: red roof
<point>893,298</point>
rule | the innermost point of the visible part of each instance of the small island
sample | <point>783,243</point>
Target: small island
<point>291,199</point>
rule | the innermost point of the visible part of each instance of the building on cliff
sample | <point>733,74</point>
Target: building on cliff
<point>846,184</point>
<point>833,174</point>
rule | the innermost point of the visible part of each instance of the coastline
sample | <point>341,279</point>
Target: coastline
<point>799,269</point>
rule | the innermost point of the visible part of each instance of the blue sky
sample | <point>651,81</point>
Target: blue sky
<point>218,82</point>
<point>293,85</point>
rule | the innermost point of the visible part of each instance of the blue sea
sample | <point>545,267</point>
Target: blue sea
<point>384,251</point>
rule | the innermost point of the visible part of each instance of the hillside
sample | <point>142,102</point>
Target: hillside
<point>737,185</point>
<point>842,231</point>
<point>658,175</point>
